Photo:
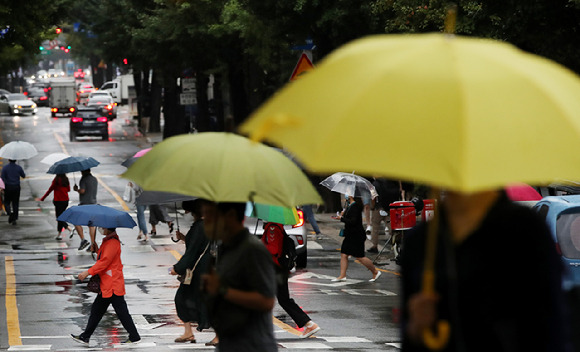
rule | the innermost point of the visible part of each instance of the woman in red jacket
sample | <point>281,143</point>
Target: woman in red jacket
<point>61,186</point>
<point>110,270</point>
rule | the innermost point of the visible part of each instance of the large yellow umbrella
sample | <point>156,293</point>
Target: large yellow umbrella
<point>465,114</point>
<point>461,113</point>
<point>223,167</point>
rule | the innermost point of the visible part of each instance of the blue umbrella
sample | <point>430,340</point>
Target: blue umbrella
<point>97,215</point>
<point>71,164</point>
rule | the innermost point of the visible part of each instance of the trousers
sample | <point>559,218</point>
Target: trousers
<point>11,202</point>
<point>287,303</point>
<point>59,208</point>
<point>99,308</point>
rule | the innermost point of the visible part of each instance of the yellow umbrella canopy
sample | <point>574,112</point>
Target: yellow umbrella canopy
<point>223,167</point>
<point>466,114</point>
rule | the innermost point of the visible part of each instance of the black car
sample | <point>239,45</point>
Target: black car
<point>89,122</point>
<point>38,95</point>
<point>106,104</point>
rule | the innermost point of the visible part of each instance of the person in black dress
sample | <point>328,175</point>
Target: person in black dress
<point>189,302</point>
<point>354,239</point>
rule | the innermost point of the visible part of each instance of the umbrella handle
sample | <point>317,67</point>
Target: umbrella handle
<point>438,339</point>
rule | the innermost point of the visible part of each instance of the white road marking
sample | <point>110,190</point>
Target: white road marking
<point>30,348</point>
<point>386,293</point>
<point>165,241</point>
<point>305,345</point>
<point>394,344</point>
<point>191,346</point>
<point>314,245</point>
<point>136,345</point>
<point>304,279</point>
<point>343,339</point>
<point>55,245</point>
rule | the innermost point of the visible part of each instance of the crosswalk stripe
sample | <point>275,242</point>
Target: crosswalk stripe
<point>305,345</point>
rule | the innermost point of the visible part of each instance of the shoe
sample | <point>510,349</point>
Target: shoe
<point>185,339</point>
<point>84,244</point>
<point>129,342</point>
<point>212,343</point>
<point>375,277</point>
<point>373,250</point>
<point>338,279</point>
<point>71,233</point>
<point>369,229</point>
<point>171,227</point>
<point>80,339</point>
<point>310,330</point>
<point>153,233</point>
<point>140,237</point>
<point>58,238</point>
<point>14,223</point>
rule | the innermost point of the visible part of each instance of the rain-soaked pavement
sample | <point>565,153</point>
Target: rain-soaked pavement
<point>43,302</point>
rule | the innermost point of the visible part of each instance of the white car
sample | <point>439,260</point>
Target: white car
<point>17,104</point>
<point>99,94</point>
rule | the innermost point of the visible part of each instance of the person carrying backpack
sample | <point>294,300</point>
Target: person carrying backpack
<point>273,238</point>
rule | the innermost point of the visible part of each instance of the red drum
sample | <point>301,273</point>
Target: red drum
<point>403,215</point>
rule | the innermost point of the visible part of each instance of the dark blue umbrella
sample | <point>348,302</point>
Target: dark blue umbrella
<point>97,215</point>
<point>71,164</point>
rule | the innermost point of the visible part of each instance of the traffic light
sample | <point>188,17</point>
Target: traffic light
<point>125,61</point>
<point>41,48</point>
<point>58,30</point>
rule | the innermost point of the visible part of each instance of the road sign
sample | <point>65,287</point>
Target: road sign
<point>304,65</point>
<point>187,99</point>
<point>188,85</point>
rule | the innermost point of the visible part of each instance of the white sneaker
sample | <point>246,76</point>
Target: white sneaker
<point>369,229</point>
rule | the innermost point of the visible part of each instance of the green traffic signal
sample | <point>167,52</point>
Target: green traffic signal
<point>41,48</point>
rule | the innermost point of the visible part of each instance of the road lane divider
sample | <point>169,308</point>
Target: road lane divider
<point>114,194</point>
<point>12,322</point>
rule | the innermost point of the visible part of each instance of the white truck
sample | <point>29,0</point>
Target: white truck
<point>119,88</point>
<point>62,96</point>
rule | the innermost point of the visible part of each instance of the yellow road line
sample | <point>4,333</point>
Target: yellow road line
<point>285,326</point>
<point>59,140</point>
<point>175,254</point>
<point>12,323</point>
<point>115,194</point>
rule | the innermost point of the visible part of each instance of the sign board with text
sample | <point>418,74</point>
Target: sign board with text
<point>187,99</point>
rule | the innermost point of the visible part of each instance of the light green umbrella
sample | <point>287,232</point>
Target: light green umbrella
<point>272,213</point>
<point>223,167</point>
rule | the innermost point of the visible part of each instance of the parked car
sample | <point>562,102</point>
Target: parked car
<point>296,232</point>
<point>105,103</point>
<point>562,215</point>
<point>17,104</point>
<point>88,122</point>
<point>38,95</point>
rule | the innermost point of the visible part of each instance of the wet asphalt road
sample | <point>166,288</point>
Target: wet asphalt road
<point>43,302</point>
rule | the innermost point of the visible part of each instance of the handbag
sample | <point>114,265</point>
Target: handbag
<point>341,233</point>
<point>94,284</point>
<point>186,280</point>
<point>128,195</point>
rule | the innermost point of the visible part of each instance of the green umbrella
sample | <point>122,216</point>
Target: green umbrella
<point>223,167</point>
<point>272,213</point>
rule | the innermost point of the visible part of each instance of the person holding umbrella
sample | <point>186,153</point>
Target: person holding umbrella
<point>11,175</point>
<point>87,190</point>
<point>110,270</point>
<point>108,267</point>
<point>61,186</point>
<point>189,302</point>
<point>354,239</point>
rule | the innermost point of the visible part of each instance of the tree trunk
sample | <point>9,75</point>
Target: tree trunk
<point>173,112</point>
<point>202,120</point>
<point>155,122</point>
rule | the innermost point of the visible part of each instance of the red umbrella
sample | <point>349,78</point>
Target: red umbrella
<point>521,192</point>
